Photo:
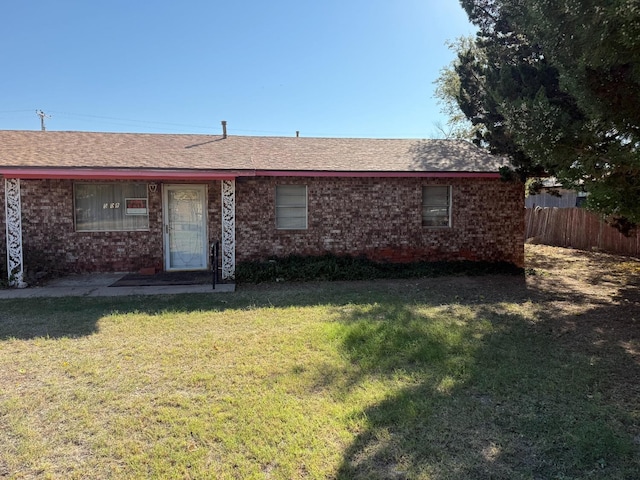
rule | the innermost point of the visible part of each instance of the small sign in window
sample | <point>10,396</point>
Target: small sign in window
<point>136,206</point>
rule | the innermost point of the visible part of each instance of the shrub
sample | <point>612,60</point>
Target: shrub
<point>331,267</point>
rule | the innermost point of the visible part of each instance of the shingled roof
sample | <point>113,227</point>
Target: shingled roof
<point>87,150</point>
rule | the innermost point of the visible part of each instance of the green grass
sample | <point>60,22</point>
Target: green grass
<point>459,378</point>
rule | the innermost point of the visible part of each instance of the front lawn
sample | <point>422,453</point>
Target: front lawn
<point>458,377</point>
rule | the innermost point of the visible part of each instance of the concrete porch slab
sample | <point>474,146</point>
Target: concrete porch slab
<point>97,285</point>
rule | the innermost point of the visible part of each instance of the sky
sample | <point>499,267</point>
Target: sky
<point>329,68</point>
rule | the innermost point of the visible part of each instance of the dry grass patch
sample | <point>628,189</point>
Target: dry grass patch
<point>457,377</point>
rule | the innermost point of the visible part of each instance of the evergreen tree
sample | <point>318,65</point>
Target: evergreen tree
<point>555,85</point>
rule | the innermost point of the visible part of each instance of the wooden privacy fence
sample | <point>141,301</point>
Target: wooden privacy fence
<point>577,228</point>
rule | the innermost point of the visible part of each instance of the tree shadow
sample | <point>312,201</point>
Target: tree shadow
<point>452,155</point>
<point>501,394</point>
<point>72,317</point>
<point>508,382</point>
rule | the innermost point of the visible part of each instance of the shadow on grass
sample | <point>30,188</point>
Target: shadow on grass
<point>79,316</point>
<point>498,394</point>
<point>72,317</point>
<point>496,390</point>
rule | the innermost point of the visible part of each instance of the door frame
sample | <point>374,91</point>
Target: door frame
<point>165,224</point>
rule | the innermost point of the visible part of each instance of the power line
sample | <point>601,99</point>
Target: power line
<point>158,126</point>
<point>149,123</point>
<point>143,122</point>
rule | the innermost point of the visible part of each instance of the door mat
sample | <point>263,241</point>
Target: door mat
<point>164,278</point>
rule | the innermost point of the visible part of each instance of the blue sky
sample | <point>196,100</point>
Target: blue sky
<point>349,68</point>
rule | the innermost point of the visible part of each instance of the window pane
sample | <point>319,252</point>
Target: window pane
<point>291,195</point>
<point>436,219</point>
<point>102,206</point>
<point>291,212</point>
<point>436,196</point>
<point>435,211</point>
<point>291,207</point>
<point>292,223</point>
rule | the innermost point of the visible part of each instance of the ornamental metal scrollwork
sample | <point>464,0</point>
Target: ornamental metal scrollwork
<point>228,229</point>
<point>13,218</point>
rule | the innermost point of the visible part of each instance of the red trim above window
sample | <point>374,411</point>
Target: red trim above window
<point>199,175</point>
<point>303,173</point>
<point>118,174</point>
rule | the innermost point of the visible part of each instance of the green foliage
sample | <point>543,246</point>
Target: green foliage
<point>446,92</point>
<point>555,85</point>
<point>332,267</point>
<point>533,186</point>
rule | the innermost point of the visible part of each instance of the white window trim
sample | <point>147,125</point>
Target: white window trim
<point>449,206</point>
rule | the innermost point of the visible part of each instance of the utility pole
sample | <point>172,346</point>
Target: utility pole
<point>42,116</point>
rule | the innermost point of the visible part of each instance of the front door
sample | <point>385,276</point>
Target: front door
<point>185,227</point>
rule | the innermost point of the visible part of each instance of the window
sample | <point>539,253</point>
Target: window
<point>106,207</point>
<point>291,207</point>
<point>436,206</point>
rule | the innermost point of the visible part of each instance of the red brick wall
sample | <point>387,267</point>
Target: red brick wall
<point>50,241</point>
<point>381,218</point>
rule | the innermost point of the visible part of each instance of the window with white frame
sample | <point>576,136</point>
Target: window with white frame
<point>291,207</point>
<point>436,206</point>
<point>109,207</point>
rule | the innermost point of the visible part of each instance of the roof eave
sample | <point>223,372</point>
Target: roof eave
<point>120,173</point>
<point>371,173</point>
<point>201,175</point>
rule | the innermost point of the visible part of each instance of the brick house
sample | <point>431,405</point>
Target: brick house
<point>121,202</point>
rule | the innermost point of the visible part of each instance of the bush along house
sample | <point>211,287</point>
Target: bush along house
<point>79,202</point>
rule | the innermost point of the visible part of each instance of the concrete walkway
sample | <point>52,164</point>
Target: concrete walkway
<point>97,285</point>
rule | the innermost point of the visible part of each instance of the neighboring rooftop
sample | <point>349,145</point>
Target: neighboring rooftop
<point>52,149</point>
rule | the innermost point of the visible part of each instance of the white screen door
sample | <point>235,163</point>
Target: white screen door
<point>185,227</point>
